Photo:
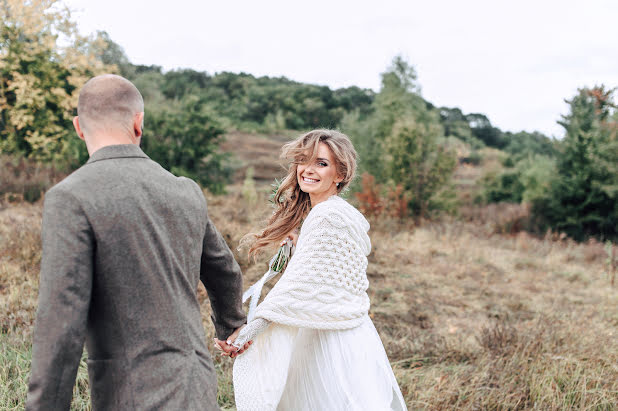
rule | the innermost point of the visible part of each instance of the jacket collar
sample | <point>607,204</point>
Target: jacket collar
<point>117,151</point>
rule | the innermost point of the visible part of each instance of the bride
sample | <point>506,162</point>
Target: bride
<point>314,345</point>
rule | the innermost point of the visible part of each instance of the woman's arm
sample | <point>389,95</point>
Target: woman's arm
<point>250,331</point>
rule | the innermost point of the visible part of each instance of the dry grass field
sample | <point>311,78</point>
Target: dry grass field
<point>470,320</point>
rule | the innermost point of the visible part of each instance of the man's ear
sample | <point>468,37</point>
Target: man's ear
<point>138,124</point>
<point>78,128</point>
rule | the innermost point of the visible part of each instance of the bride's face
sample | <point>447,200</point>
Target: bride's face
<point>319,177</point>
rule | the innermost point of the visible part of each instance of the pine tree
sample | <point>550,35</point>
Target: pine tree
<point>583,198</point>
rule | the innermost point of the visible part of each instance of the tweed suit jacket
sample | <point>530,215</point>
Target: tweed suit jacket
<point>124,245</point>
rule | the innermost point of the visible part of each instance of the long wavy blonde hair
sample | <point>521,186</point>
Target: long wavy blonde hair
<point>292,203</point>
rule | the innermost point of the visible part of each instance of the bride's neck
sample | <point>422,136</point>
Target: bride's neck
<point>319,198</point>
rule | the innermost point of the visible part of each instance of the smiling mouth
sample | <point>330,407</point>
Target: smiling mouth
<point>310,180</point>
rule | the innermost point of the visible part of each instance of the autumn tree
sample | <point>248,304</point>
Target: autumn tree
<point>44,61</point>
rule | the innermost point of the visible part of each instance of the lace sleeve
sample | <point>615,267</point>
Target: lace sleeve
<point>250,331</point>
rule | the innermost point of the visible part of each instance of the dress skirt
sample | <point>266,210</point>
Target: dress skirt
<point>290,368</point>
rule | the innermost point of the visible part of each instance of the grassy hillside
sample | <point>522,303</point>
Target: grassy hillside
<point>470,319</point>
<point>259,151</point>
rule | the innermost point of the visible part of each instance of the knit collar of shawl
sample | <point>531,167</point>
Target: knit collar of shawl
<point>356,222</point>
<point>325,284</point>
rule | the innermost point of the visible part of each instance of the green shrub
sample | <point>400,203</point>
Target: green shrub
<point>504,186</point>
<point>185,140</point>
<point>526,181</point>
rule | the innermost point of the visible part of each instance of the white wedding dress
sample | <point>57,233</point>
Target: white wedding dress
<point>314,345</point>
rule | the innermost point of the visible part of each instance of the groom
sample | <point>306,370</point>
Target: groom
<point>124,246</point>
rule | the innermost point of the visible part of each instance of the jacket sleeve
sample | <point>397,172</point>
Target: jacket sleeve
<point>64,298</point>
<point>222,278</point>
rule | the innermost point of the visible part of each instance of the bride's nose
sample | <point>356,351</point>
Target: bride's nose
<point>310,169</point>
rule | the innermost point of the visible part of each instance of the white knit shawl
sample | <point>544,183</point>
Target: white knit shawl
<point>325,283</point>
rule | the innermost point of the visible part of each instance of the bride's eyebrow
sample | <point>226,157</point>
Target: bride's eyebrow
<point>322,159</point>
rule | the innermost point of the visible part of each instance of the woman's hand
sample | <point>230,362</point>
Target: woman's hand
<point>292,236</point>
<point>227,349</point>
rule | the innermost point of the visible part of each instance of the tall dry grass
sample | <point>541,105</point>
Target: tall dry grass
<point>470,319</point>
<point>486,321</point>
<point>21,179</point>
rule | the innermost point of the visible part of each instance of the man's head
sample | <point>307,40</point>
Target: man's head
<point>110,110</point>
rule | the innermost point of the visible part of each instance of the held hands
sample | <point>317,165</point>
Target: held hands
<point>226,348</point>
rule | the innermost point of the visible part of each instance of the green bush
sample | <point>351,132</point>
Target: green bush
<point>185,141</point>
<point>525,181</point>
<point>504,186</point>
<point>474,158</point>
<point>535,175</point>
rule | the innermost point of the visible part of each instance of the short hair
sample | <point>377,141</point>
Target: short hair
<point>108,102</point>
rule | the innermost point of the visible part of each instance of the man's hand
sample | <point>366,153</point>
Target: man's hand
<point>227,349</point>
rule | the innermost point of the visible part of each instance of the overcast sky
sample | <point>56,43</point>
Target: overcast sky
<point>514,61</point>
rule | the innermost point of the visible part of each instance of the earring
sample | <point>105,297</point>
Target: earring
<point>338,185</point>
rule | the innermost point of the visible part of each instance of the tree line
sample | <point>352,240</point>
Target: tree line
<point>406,144</point>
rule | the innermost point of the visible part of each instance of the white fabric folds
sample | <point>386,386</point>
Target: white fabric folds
<point>302,369</point>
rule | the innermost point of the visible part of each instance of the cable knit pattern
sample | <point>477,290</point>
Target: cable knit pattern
<point>325,283</point>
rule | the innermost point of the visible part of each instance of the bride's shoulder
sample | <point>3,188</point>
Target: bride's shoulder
<point>337,215</point>
<point>337,211</point>
<point>334,205</point>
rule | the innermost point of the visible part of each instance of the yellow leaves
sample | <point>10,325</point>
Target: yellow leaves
<point>20,119</point>
<point>36,140</point>
<point>27,93</point>
<point>44,62</point>
<point>29,16</point>
<point>45,142</point>
<point>58,92</point>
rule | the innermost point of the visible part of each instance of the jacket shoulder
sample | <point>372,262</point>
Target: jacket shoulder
<point>70,183</point>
